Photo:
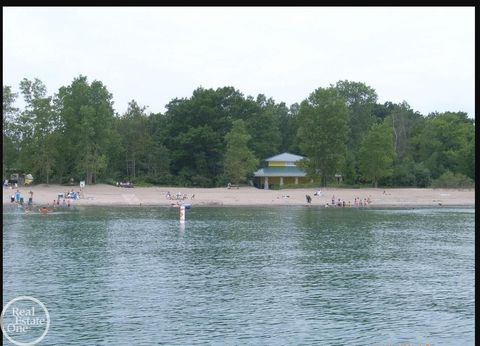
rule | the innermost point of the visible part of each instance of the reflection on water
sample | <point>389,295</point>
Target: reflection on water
<point>246,275</point>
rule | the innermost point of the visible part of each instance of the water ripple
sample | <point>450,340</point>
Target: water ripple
<point>254,276</point>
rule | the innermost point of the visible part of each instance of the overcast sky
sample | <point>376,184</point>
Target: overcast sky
<point>423,55</point>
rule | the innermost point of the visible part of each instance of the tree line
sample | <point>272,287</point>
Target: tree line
<point>220,136</point>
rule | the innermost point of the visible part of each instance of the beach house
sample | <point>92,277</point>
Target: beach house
<point>279,170</point>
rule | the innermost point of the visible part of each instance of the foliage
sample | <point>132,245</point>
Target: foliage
<point>376,153</point>
<point>422,175</point>
<point>453,180</point>
<point>446,143</point>
<point>239,159</point>
<point>198,141</point>
<point>86,112</point>
<point>36,126</point>
<point>360,100</point>
<point>322,132</point>
<point>10,140</point>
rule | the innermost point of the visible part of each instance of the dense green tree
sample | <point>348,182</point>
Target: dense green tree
<point>133,129</point>
<point>142,154</point>
<point>360,100</point>
<point>158,155</point>
<point>404,122</point>
<point>322,131</point>
<point>76,134</point>
<point>195,131</point>
<point>381,111</point>
<point>86,111</point>
<point>263,125</point>
<point>39,125</point>
<point>10,145</point>
<point>376,153</point>
<point>287,127</point>
<point>10,112</point>
<point>446,143</point>
<point>239,159</point>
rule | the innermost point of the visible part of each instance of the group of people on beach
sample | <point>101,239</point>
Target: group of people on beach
<point>71,195</point>
<point>18,198</point>
<point>67,201</point>
<point>7,184</point>
<point>124,184</point>
<point>178,196</point>
<point>358,202</point>
<point>339,203</point>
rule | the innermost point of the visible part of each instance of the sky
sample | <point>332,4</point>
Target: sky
<point>421,55</point>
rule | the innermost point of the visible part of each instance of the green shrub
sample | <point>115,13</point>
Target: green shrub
<point>162,179</point>
<point>453,180</point>
<point>403,177</point>
<point>201,181</point>
<point>221,180</point>
<point>422,175</point>
<point>140,182</point>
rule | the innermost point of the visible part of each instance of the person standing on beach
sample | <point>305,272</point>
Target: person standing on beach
<point>309,199</point>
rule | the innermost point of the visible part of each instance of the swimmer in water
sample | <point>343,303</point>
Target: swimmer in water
<point>43,210</point>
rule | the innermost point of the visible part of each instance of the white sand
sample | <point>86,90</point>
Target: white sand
<point>106,195</point>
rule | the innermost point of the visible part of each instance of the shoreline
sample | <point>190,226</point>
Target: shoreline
<point>372,207</point>
<point>103,195</point>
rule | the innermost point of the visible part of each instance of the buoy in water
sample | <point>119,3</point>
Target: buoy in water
<point>182,213</point>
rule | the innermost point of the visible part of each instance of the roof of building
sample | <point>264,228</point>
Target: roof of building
<point>285,157</point>
<point>280,172</point>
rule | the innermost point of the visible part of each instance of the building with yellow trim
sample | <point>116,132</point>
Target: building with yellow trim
<point>280,169</point>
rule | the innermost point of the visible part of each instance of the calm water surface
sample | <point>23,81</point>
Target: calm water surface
<point>246,276</point>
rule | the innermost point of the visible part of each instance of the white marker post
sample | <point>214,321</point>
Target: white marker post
<point>182,213</point>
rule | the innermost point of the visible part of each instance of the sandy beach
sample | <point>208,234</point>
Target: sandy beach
<point>107,195</point>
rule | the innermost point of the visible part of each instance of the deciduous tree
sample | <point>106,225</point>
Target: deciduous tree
<point>376,153</point>
<point>322,131</point>
<point>239,159</point>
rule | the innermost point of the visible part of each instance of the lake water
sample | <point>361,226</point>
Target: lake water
<point>246,276</point>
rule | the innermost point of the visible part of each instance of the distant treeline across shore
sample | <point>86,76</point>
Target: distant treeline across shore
<point>220,136</point>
